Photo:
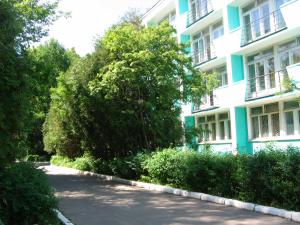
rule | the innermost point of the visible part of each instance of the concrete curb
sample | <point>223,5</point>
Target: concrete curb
<point>62,218</point>
<point>291,215</point>
<point>273,211</point>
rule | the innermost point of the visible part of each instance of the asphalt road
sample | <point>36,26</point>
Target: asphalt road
<point>92,201</point>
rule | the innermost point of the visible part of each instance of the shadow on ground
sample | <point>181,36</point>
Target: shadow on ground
<point>92,201</point>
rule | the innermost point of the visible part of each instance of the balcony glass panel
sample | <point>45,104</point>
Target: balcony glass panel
<point>275,124</point>
<point>222,130</point>
<point>264,126</point>
<point>255,127</point>
<point>198,9</point>
<point>259,22</point>
<point>296,55</point>
<point>213,131</point>
<point>289,120</point>
<point>203,49</point>
<point>262,78</point>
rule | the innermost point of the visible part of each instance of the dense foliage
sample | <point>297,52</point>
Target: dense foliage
<point>124,97</point>
<point>26,197</point>
<point>269,177</point>
<point>21,23</point>
<point>47,61</point>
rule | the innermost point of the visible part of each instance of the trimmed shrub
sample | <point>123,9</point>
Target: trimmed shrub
<point>166,167</point>
<point>209,173</point>
<point>26,197</point>
<point>130,167</point>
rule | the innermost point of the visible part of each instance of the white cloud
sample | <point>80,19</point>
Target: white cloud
<point>89,19</point>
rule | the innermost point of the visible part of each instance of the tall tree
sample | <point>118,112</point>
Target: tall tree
<point>47,61</point>
<point>124,97</point>
<point>21,23</point>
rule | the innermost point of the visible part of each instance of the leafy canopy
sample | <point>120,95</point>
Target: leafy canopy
<point>21,22</point>
<point>124,97</point>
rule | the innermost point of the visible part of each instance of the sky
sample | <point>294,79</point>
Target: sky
<point>89,19</point>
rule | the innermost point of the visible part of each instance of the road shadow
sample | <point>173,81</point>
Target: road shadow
<point>93,201</point>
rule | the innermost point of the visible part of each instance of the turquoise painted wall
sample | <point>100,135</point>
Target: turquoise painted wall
<point>233,17</point>
<point>243,145</point>
<point>185,39</point>
<point>189,123</point>
<point>183,6</point>
<point>237,63</point>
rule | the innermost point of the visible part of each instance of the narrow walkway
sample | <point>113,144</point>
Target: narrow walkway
<point>92,201</point>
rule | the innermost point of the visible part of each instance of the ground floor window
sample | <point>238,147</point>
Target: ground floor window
<point>214,127</point>
<point>263,120</point>
<point>275,119</point>
<point>291,117</point>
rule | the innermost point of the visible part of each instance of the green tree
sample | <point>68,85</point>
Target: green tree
<point>47,61</point>
<point>21,23</point>
<point>124,97</point>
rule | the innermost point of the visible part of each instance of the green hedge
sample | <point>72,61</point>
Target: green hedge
<point>269,177</point>
<point>26,197</point>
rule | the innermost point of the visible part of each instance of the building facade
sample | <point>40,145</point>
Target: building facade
<point>254,48</point>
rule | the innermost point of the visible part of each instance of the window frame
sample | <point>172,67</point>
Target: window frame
<point>260,116</point>
<point>288,48</point>
<point>296,122</point>
<point>282,129</point>
<point>227,129</point>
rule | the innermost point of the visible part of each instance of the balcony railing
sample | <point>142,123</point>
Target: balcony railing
<point>196,13</point>
<point>267,85</point>
<point>204,56</point>
<point>207,102</point>
<point>262,27</point>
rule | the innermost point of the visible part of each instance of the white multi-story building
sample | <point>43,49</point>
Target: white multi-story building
<point>254,47</point>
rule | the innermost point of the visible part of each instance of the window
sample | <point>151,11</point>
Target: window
<point>291,113</point>
<point>256,20</point>
<point>202,47</point>
<point>222,75</point>
<point>260,19</point>
<point>271,121</point>
<point>265,120</point>
<point>208,126</point>
<point>261,73</point>
<point>198,9</point>
<point>218,30</point>
<point>214,127</point>
<point>224,127</point>
<point>289,54</point>
<point>275,124</point>
<point>289,120</point>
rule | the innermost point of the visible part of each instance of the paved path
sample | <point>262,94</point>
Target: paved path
<point>92,201</point>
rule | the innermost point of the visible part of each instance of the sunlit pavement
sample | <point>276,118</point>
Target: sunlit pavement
<point>92,201</point>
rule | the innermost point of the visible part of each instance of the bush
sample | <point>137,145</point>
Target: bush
<point>82,163</point>
<point>26,197</point>
<point>36,158</point>
<point>129,167</point>
<point>167,167</point>
<point>272,177</point>
<point>61,161</point>
<point>204,172</point>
